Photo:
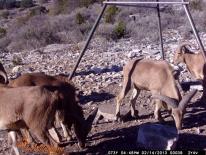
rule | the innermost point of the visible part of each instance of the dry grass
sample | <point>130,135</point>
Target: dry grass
<point>71,26</point>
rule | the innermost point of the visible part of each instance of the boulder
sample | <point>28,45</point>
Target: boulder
<point>134,53</point>
<point>16,69</point>
<point>156,136</point>
<point>107,112</point>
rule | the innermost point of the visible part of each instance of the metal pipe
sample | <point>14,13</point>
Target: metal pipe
<point>88,41</point>
<point>132,5</point>
<point>136,3</point>
<point>160,31</point>
<point>194,30</point>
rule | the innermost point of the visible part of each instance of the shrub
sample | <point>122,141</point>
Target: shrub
<point>17,60</point>
<point>67,6</point>
<point>38,31</point>
<point>2,2</point>
<point>79,19</point>
<point>43,1</point>
<point>106,30</point>
<point>119,30</point>
<point>38,10</point>
<point>86,3</point>
<point>4,42</point>
<point>27,3</point>
<point>85,28</point>
<point>74,36</point>
<point>8,4</point>
<point>110,13</point>
<point>59,6</point>
<point>44,34</point>
<point>4,14</point>
<point>22,20</point>
<point>2,32</point>
<point>196,4</point>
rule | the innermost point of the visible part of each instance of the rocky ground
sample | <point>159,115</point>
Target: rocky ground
<point>99,78</point>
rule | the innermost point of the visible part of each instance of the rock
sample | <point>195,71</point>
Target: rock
<point>158,57</point>
<point>90,103</point>
<point>107,111</point>
<point>16,69</point>
<point>96,70</point>
<point>157,137</point>
<point>154,52</point>
<point>30,69</point>
<point>105,115</point>
<point>198,130</point>
<point>134,53</point>
<point>198,87</point>
<point>117,49</point>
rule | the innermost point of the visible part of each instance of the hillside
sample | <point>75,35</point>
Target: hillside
<point>49,36</point>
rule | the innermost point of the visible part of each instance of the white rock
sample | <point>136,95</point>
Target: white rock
<point>133,53</point>
<point>16,69</point>
<point>90,103</point>
<point>198,130</point>
<point>175,67</point>
<point>198,87</point>
<point>157,137</point>
<point>158,57</point>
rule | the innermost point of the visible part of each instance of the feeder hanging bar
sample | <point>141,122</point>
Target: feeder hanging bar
<point>137,3</point>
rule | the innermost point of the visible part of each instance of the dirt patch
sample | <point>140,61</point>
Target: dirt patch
<point>108,135</point>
